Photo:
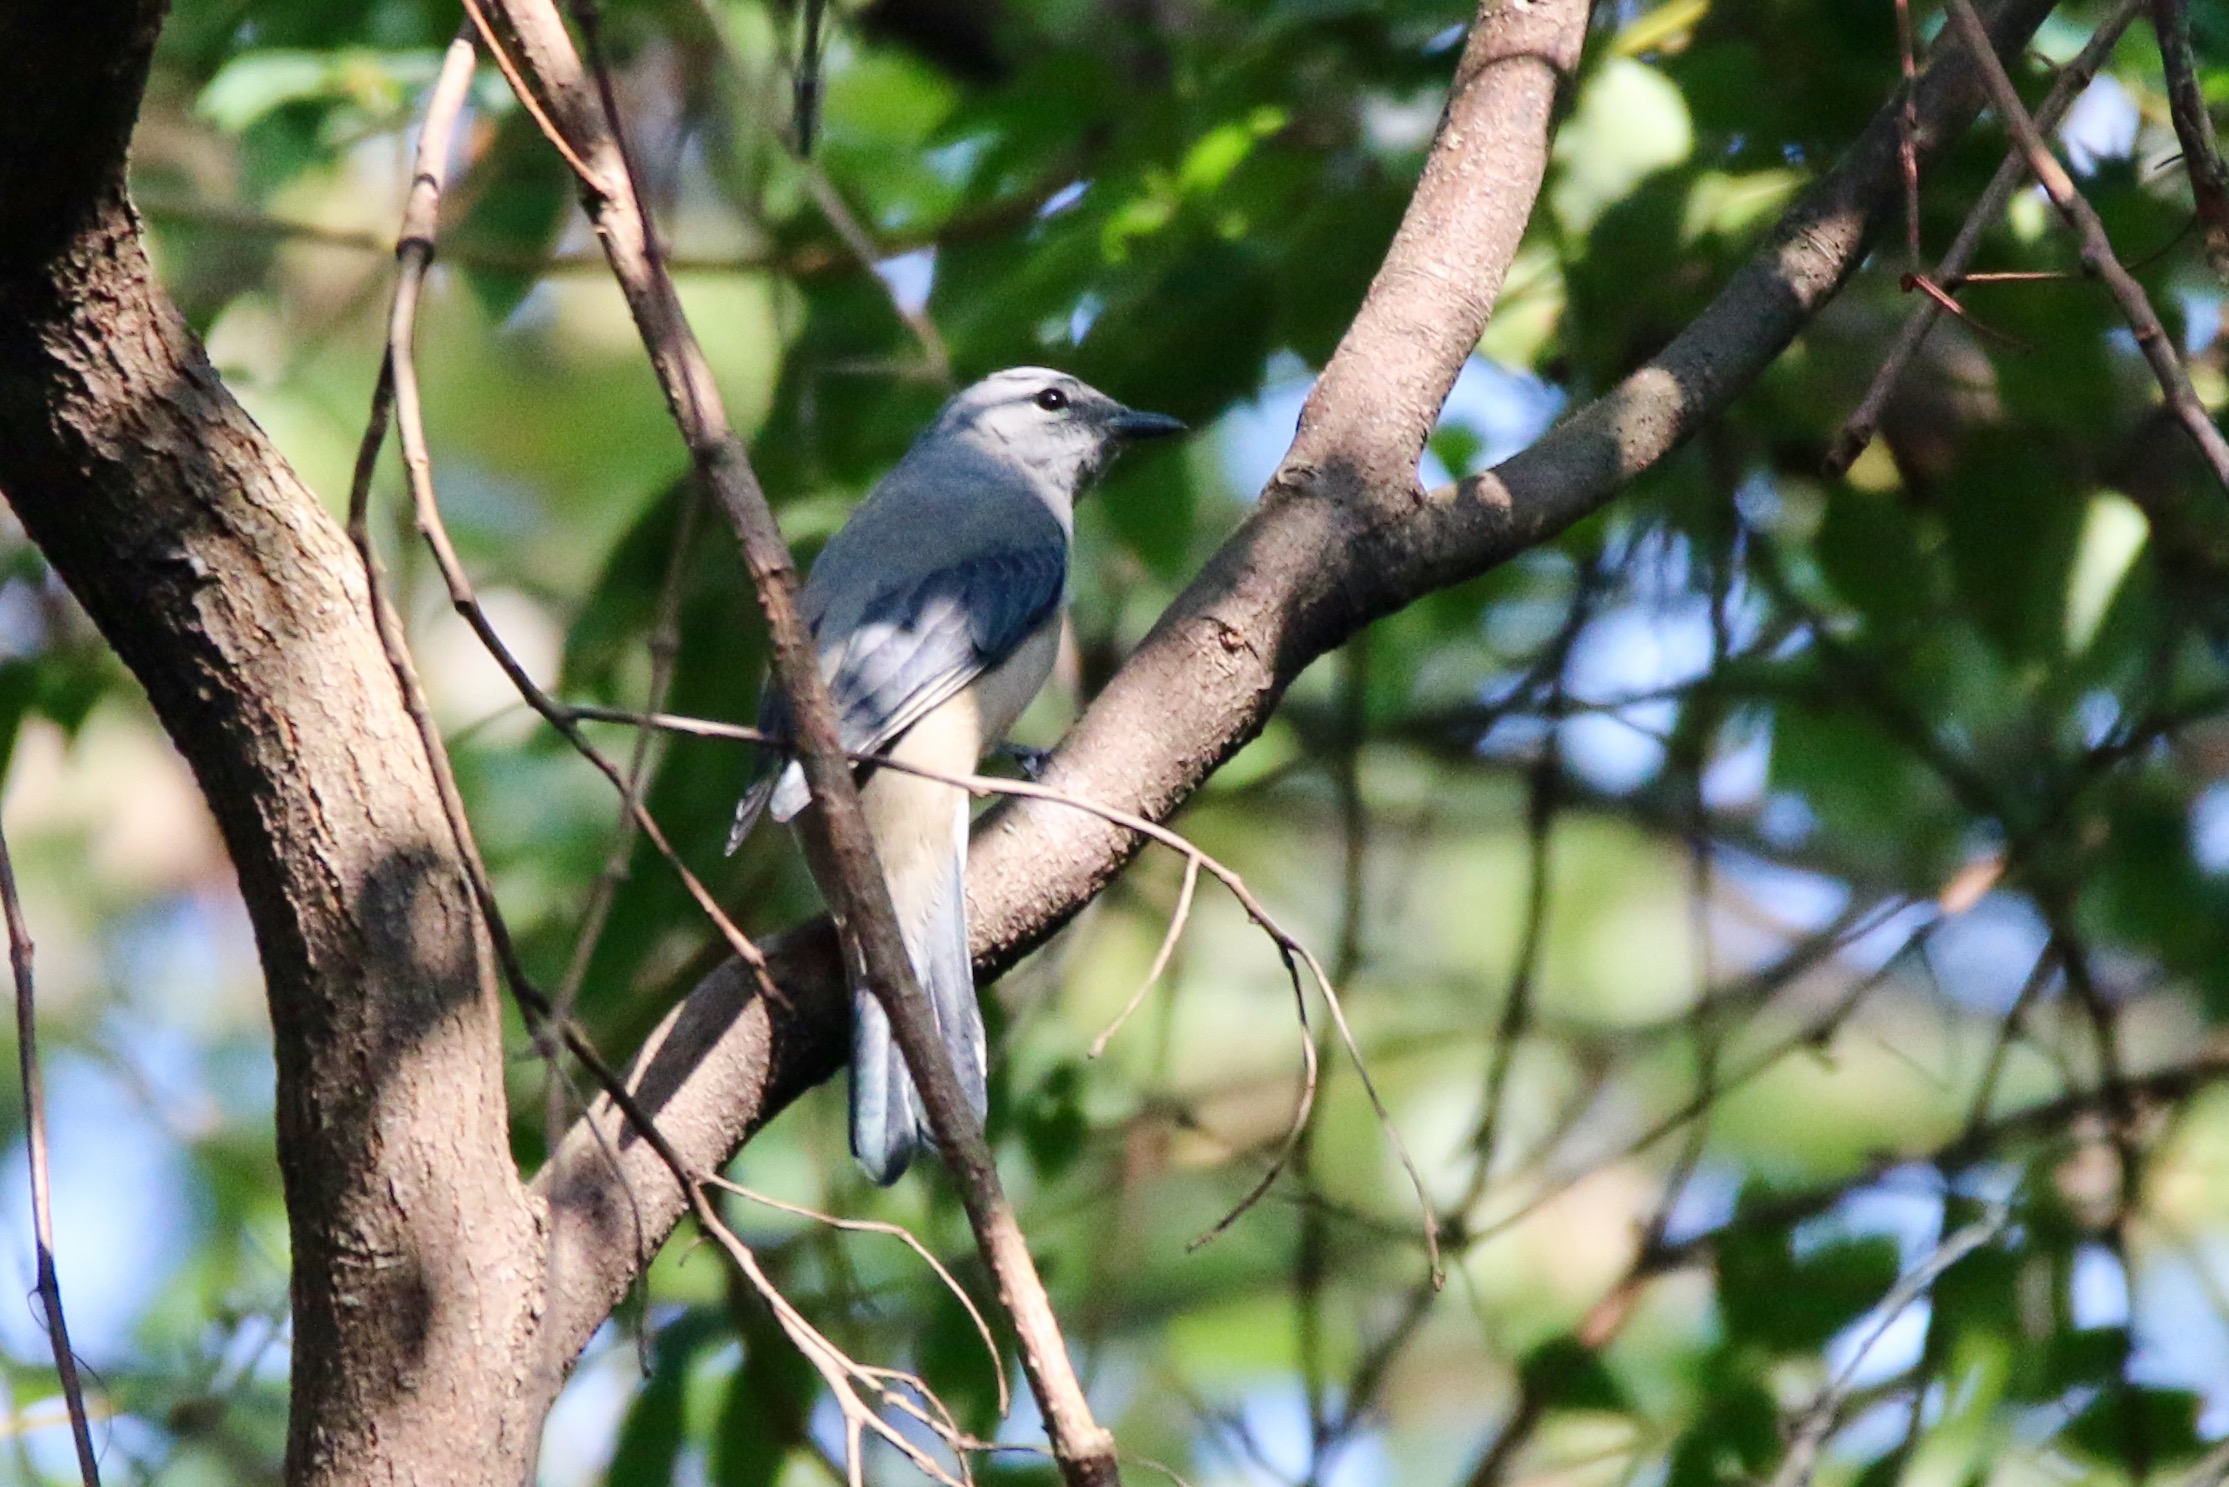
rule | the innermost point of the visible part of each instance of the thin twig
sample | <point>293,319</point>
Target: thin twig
<point>2194,128</point>
<point>417,464</point>
<point>42,1203</point>
<point>844,1377</point>
<point>2121,1126</point>
<point>2008,1032</point>
<point>837,212</point>
<point>1596,1331</point>
<point>1816,1032</point>
<point>1818,1421</point>
<point>546,69</point>
<point>1858,431</point>
<point>1543,789</point>
<point>1907,132</point>
<point>1177,920</point>
<point>2097,248</point>
<point>904,1235</point>
<point>846,226</point>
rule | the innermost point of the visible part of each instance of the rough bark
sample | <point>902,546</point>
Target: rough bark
<point>239,605</point>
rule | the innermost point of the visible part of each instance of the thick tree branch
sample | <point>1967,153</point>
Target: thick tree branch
<point>1379,397</point>
<point>1344,535</point>
<point>1325,554</point>
<point>237,602</point>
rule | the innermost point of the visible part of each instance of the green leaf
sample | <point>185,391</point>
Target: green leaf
<point>648,1450</point>
<point>2127,1424</point>
<point>1736,1434</point>
<point>520,191</point>
<point>2083,1358</point>
<point>1051,1121</point>
<point>767,1408</point>
<point>1875,551</point>
<point>1772,1298</point>
<point>1630,123</point>
<point>1564,1373</point>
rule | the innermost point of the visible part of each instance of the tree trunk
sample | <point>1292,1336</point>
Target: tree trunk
<point>239,604</point>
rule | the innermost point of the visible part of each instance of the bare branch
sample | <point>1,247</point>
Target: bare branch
<point>1858,430</point>
<point>2097,248</point>
<point>34,1139</point>
<point>903,1235</point>
<point>2194,128</point>
<point>844,1377</point>
<point>1825,1412</point>
<point>1178,918</point>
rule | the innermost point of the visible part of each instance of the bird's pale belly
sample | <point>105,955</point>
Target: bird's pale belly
<point>1004,693</point>
<point>912,817</point>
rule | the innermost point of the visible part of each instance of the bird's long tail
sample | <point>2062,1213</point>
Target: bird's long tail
<point>888,1124</point>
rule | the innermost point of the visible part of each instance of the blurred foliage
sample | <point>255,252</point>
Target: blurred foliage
<point>1866,813</point>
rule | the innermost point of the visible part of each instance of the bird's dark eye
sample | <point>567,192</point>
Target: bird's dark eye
<point>1052,400</point>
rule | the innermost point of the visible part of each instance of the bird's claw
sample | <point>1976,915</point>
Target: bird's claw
<point>1031,762</point>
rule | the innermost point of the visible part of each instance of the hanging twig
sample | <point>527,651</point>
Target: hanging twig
<point>2096,246</point>
<point>1178,918</point>
<point>844,1377</point>
<point>34,1140</point>
<point>904,1236</point>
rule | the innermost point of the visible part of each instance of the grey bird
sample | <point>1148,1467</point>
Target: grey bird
<point>936,611</point>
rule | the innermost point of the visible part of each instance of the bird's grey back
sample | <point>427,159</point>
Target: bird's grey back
<point>953,498</point>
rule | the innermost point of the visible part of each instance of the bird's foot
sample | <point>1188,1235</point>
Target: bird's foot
<point>1031,762</point>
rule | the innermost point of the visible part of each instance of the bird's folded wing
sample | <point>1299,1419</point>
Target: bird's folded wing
<point>914,646</point>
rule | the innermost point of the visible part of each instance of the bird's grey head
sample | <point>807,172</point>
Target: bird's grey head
<point>1063,430</point>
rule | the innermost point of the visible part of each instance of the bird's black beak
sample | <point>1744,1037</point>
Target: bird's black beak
<point>1129,423</point>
